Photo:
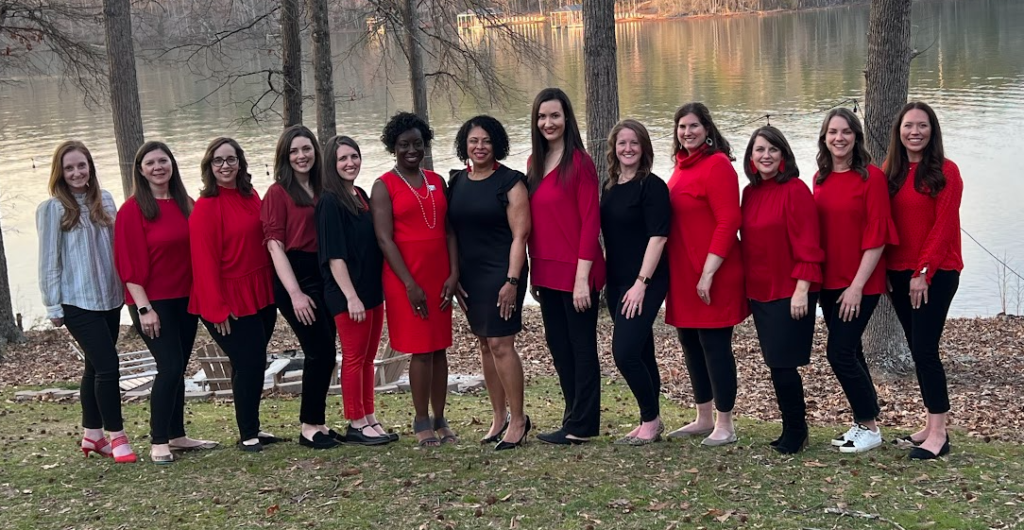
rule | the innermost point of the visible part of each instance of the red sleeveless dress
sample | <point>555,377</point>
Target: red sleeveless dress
<point>425,252</point>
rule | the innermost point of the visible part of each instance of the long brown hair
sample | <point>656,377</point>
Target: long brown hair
<point>718,142</point>
<point>60,190</point>
<point>646,151</point>
<point>332,181</point>
<point>928,178</point>
<point>570,137</point>
<point>774,137</point>
<point>285,175</point>
<point>243,180</point>
<point>861,158</point>
<point>144,194</point>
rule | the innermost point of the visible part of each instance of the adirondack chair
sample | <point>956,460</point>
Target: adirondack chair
<point>137,368</point>
<point>216,369</point>
<point>389,366</point>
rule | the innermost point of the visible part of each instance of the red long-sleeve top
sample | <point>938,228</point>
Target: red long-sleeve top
<point>704,192</point>
<point>566,222</point>
<point>928,227</point>
<point>854,216</point>
<point>231,269</point>
<point>283,220</point>
<point>153,253</point>
<point>780,239</point>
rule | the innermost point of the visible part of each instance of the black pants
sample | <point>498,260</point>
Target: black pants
<point>789,393</point>
<point>171,351</point>
<point>317,339</point>
<point>711,364</point>
<point>923,327</point>
<point>845,353</point>
<point>96,332</point>
<point>246,346</point>
<point>572,339</point>
<point>633,346</point>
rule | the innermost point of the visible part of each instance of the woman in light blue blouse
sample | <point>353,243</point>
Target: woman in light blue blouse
<point>81,289</point>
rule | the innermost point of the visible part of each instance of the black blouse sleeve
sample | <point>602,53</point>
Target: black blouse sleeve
<point>510,178</point>
<point>656,206</point>
<point>330,229</point>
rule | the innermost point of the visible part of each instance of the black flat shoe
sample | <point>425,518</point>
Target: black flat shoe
<point>497,437</point>
<point>906,440</point>
<point>392,436</point>
<point>319,441</point>
<point>559,438</point>
<point>354,436</point>
<point>255,448</point>
<point>505,446</point>
<point>338,437</point>
<point>919,453</point>
<point>271,439</point>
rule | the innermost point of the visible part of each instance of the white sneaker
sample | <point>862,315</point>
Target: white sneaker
<point>840,440</point>
<point>863,440</point>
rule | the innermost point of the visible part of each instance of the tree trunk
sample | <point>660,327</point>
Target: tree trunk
<point>124,87</point>
<point>291,63</point>
<point>601,75</point>
<point>888,77</point>
<point>323,71</point>
<point>9,331</point>
<point>418,80</point>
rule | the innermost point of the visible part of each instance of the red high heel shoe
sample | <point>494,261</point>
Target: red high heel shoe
<point>100,447</point>
<point>129,458</point>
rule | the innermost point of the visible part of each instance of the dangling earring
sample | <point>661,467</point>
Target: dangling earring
<point>782,166</point>
<point>709,141</point>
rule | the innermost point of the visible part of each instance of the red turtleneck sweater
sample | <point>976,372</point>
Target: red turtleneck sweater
<point>928,227</point>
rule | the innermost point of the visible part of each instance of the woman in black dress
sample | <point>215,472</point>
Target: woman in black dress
<point>489,210</point>
<point>635,213</point>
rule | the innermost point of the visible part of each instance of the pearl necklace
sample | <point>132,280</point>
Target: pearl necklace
<point>419,199</point>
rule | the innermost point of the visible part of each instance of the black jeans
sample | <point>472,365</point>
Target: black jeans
<point>789,393</point>
<point>96,332</point>
<point>572,340</point>
<point>845,353</point>
<point>633,346</point>
<point>711,364</point>
<point>246,346</point>
<point>317,339</point>
<point>171,351</point>
<point>923,328</point>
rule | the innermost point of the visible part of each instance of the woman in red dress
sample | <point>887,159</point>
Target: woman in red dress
<point>706,297</point>
<point>421,272</point>
<point>924,271</point>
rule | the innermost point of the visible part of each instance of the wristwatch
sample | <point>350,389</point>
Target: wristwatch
<point>512,280</point>
<point>144,309</point>
<point>644,280</point>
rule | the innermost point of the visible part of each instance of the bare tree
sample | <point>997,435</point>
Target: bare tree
<point>602,79</point>
<point>323,70</point>
<point>9,330</point>
<point>291,62</point>
<point>124,87</point>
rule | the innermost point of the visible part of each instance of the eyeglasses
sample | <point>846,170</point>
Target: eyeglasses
<point>231,161</point>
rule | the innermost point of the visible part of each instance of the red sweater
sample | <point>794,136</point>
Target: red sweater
<point>283,220</point>
<point>854,217</point>
<point>928,227</point>
<point>566,223</point>
<point>154,254</point>
<point>231,268</point>
<point>705,195</point>
<point>780,239</point>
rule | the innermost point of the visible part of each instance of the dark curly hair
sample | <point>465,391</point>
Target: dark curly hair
<point>401,122</point>
<point>493,128</point>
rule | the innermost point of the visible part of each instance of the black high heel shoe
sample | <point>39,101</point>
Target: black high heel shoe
<point>497,437</point>
<point>505,446</point>
<point>919,453</point>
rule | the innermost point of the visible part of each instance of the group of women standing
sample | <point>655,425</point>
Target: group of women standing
<point>335,261</point>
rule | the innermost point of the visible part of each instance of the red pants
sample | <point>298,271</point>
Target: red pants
<point>359,342</point>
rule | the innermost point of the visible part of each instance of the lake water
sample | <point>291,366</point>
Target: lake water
<point>792,66</point>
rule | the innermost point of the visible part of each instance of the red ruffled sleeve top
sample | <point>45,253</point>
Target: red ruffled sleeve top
<point>928,227</point>
<point>153,253</point>
<point>705,195</point>
<point>231,269</point>
<point>566,223</point>
<point>780,239</point>
<point>283,220</point>
<point>854,216</point>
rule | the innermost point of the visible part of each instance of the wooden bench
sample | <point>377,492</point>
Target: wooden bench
<point>216,372</point>
<point>137,368</point>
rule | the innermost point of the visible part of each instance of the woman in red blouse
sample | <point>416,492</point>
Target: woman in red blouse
<point>151,252</point>
<point>853,212</point>
<point>706,297</point>
<point>568,269</point>
<point>924,270</point>
<point>782,267</point>
<point>289,231</point>
<point>232,279</point>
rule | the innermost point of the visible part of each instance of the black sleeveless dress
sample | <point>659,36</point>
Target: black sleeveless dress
<point>477,211</point>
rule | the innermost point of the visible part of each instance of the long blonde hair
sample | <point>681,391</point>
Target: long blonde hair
<point>59,189</point>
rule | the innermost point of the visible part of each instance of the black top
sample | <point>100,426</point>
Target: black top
<point>631,214</point>
<point>343,235</point>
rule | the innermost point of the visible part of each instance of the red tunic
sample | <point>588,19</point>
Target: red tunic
<point>154,254</point>
<point>854,217</point>
<point>705,195</point>
<point>780,239</point>
<point>283,220</point>
<point>425,252</point>
<point>231,269</point>
<point>928,227</point>
<point>566,223</point>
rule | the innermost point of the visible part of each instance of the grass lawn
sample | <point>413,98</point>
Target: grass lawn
<point>46,484</point>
